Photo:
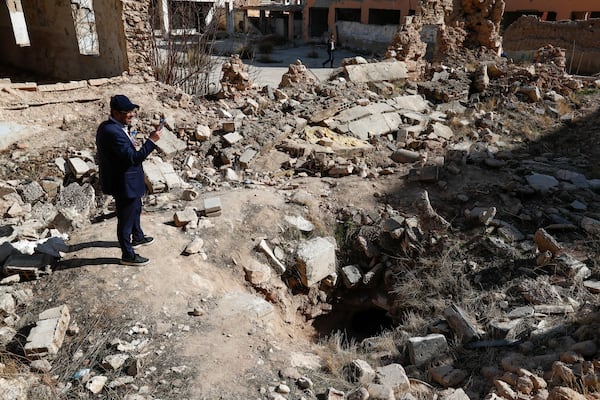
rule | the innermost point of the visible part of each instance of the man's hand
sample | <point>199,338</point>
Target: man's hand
<point>155,136</point>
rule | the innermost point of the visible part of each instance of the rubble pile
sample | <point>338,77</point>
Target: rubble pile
<point>475,235</point>
<point>297,73</point>
<point>235,79</point>
<point>442,28</point>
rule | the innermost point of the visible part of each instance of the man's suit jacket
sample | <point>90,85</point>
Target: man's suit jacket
<point>121,172</point>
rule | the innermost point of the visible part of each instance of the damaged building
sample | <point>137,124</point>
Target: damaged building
<point>83,39</point>
<point>73,40</point>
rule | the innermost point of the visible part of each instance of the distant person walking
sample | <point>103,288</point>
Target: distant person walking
<point>330,50</point>
<point>122,176</point>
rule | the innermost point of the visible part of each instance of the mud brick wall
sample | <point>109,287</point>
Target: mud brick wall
<point>580,39</point>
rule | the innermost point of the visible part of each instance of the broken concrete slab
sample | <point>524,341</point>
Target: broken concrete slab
<point>324,139</point>
<point>374,72</point>
<point>46,338</point>
<point>414,102</point>
<point>169,143</point>
<point>160,176</point>
<point>374,125</point>
<point>300,223</point>
<point>233,305</point>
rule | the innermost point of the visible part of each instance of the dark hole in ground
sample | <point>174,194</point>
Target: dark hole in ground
<point>356,325</point>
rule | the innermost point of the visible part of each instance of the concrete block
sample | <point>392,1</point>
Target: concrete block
<point>429,173</point>
<point>203,133</point>
<point>232,138</point>
<point>228,126</point>
<point>246,157</point>
<point>360,371</point>
<point>442,131</point>
<point>31,192</point>
<point>448,376</point>
<point>351,275</point>
<point>373,72</point>
<point>394,376</point>
<point>184,217</point>
<point>341,170</point>
<point>212,204</point>
<point>316,259</point>
<point>423,349</point>
<point>78,167</point>
<point>47,336</point>
<point>160,176</point>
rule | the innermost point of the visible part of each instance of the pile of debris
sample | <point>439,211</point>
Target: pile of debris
<point>426,134</point>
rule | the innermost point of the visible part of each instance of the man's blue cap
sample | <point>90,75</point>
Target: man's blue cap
<point>121,102</point>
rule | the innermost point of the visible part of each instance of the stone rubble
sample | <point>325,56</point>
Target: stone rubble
<point>356,128</point>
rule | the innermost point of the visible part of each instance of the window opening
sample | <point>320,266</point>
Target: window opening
<point>85,27</point>
<point>17,20</point>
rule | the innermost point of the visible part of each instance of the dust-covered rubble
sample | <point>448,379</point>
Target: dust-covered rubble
<point>428,134</point>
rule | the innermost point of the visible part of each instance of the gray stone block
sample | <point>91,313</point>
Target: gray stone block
<point>423,349</point>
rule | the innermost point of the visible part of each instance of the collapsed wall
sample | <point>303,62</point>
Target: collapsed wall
<point>579,39</point>
<point>442,28</point>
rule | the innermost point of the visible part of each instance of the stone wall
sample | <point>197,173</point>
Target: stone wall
<point>457,24</point>
<point>138,31</point>
<point>580,39</point>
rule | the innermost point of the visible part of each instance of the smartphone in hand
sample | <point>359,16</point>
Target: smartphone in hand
<point>161,124</point>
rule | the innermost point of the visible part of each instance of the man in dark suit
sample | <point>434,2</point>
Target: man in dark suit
<point>122,175</point>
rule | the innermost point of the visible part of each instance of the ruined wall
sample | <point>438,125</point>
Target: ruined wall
<point>371,38</point>
<point>562,8</point>
<point>54,51</point>
<point>122,40</point>
<point>580,39</point>
<point>404,6</point>
<point>443,28</point>
<point>136,21</point>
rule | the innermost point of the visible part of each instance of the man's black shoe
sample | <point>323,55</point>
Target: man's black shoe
<point>146,240</point>
<point>136,260</point>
